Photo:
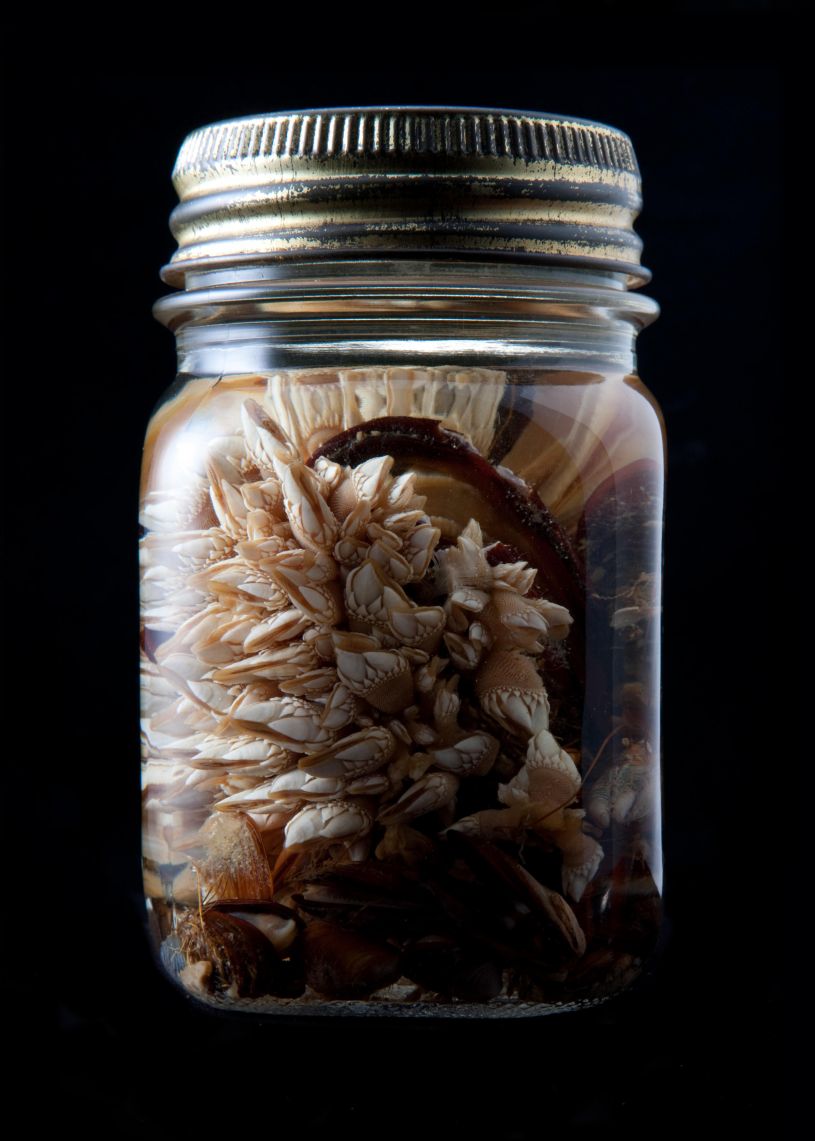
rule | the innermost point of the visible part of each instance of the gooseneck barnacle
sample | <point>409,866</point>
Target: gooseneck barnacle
<point>360,707</point>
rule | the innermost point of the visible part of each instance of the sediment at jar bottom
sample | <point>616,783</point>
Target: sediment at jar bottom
<point>364,732</point>
<point>468,923</point>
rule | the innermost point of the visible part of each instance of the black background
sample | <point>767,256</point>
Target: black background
<point>706,103</point>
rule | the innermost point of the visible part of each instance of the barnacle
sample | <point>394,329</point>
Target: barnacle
<point>626,789</point>
<point>330,671</point>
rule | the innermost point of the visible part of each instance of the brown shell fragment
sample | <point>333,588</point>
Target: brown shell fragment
<point>625,907</point>
<point>279,924</point>
<point>342,965</point>
<point>557,911</point>
<point>371,896</point>
<point>552,926</point>
<point>244,962</point>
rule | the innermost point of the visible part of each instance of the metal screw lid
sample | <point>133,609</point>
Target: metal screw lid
<point>407,181</point>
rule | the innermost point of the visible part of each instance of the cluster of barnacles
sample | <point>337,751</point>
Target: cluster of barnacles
<point>303,685</point>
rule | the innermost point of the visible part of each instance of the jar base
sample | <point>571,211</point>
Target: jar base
<point>314,1007</point>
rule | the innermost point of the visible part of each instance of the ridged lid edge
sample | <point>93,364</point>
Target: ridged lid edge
<point>358,133</point>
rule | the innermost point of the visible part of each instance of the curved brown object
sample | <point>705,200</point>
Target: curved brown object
<point>370,896</point>
<point>254,907</point>
<point>496,868</point>
<point>242,958</point>
<point>356,910</point>
<point>339,964</point>
<point>423,444</point>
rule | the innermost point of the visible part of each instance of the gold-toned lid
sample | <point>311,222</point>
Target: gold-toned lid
<point>406,181</point>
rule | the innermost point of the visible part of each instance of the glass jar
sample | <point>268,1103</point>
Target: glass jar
<point>401,557</point>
